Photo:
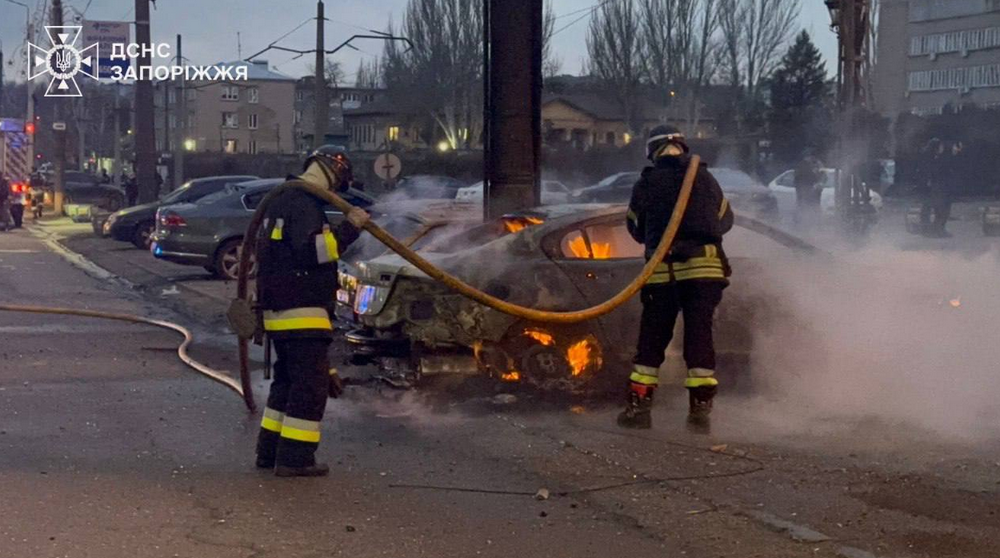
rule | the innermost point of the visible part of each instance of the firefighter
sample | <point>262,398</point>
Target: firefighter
<point>690,279</point>
<point>297,255</point>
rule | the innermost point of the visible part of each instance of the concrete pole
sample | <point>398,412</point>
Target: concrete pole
<point>145,127</point>
<point>513,91</point>
<point>181,123</point>
<point>30,90</point>
<point>59,135</point>
<point>116,167</point>
<point>322,108</point>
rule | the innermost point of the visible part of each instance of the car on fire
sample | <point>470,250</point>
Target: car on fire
<point>556,258</point>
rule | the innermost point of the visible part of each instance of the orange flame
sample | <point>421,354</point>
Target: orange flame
<point>518,224</point>
<point>512,376</point>
<point>541,336</point>
<point>601,250</point>
<point>578,356</point>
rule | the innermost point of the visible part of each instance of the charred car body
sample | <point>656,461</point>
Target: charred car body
<point>557,258</point>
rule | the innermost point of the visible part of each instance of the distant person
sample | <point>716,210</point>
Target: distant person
<point>932,171</point>
<point>131,190</point>
<point>808,186</point>
<point>105,178</point>
<point>5,217</point>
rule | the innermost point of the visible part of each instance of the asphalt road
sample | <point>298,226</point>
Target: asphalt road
<point>111,448</point>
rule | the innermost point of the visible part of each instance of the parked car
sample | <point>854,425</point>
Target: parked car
<point>83,188</point>
<point>743,192</point>
<point>553,193</point>
<point>209,233</point>
<point>555,258</point>
<point>616,188</point>
<point>136,224</point>
<point>783,187</point>
<point>425,187</point>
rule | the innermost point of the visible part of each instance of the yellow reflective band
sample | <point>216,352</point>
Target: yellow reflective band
<point>711,251</point>
<point>698,262</point>
<point>633,217</point>
<point>300,430</point>
<point>722,209</point>
<point>299,318</point>
<point>644,379</point>
<point>276,233</point>
<point>700,382</point>
<point>699,273</point>
<point>701,373</point>
<point>268,423</point>
<point>326,247</point>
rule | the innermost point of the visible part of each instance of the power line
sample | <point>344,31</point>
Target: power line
<point>575,21</point>
<point>581,10</point>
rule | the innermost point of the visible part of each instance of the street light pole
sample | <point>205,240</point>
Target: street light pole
<point>322,109</point>
<point>30,112</point>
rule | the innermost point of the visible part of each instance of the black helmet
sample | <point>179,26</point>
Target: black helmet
<point>335,163</point>
<point>662,135</point>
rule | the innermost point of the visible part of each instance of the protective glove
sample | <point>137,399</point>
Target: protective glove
<point>336,384</point>
<point>358,217</point>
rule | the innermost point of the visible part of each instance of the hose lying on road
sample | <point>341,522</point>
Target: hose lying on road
<point>182,353</point>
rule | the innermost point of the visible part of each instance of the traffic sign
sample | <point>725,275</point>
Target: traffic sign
<point>388,166</point>
<point>59,126</point>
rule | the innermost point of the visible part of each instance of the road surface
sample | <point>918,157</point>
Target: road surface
<point>110,448</point>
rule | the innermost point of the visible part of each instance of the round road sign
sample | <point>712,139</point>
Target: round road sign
<point>388,166</point>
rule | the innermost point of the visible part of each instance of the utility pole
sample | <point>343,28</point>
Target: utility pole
<point>851,19</point>
<point>116,167</point>
<point>1,79</point>
<point>513,91</point>
<point>145,127</point>
<point>59,135</point>
<point>322,108</point>
<point>166,127</point>
<point>181,123</point>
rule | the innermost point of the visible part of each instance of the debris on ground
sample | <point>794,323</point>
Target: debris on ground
<point>542,494</point>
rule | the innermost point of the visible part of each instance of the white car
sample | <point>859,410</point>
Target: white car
<point>553,193</point>
<point>783,187</point>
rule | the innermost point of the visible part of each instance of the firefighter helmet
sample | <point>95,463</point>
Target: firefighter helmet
<point>662,135</point>
<point>334,161</point>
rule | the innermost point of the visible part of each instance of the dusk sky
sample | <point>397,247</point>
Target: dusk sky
<point>210,34</point>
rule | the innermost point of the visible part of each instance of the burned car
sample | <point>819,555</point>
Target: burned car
<point>557,258</point>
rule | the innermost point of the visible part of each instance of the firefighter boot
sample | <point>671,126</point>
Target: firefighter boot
<point>700,399</point>
<point>638,412</point>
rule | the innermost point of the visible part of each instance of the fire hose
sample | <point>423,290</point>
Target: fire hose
<point>211,373</point>
<point>445,278</point>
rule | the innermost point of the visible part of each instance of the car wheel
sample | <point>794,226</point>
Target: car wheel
<point>227,260</point>
<point>142,237</point>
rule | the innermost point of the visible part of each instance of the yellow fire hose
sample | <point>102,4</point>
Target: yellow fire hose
<point>456,284</point>
<point>182,353</point>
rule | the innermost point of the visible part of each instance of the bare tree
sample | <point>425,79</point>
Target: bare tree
<point>769,25</point>
<point>732,22</point>
<point>615,45</point>
<point>551,63</point>
<point>442,75</point>
<point>369,75</point>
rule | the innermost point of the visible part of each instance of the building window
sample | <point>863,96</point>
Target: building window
<point>393,133</point>
<point>298,117</point>
<point>230,120</point>
<point>252,121</point>
<point>173,122</point>
<point>252,147</point>
<point>230,93</point>
<point>956,41</point>
<point>299,95</point>
<point>171,96</point>
<point>230,146</point>
<point>253,95</point>
<point>965,78</point>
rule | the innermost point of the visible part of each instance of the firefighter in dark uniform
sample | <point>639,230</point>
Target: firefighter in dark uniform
<point>690,279</point>
<point>297,280</point>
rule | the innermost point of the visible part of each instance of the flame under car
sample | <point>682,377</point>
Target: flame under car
<point>558,258</point>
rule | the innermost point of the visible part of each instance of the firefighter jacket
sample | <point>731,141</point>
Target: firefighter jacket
<point>697,251</point>
<point>297,254</point>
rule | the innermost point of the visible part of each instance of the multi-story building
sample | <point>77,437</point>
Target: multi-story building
<point>341,100</point>
<point>252,116</point>
<point>936,54</point>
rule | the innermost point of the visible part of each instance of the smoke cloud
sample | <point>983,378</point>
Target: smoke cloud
<point>904,338</point>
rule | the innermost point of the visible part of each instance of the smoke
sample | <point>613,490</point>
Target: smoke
<point>904,338</point>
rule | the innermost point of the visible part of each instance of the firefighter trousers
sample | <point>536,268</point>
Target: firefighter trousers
<point>290,428</point>
<point>660,305</point>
